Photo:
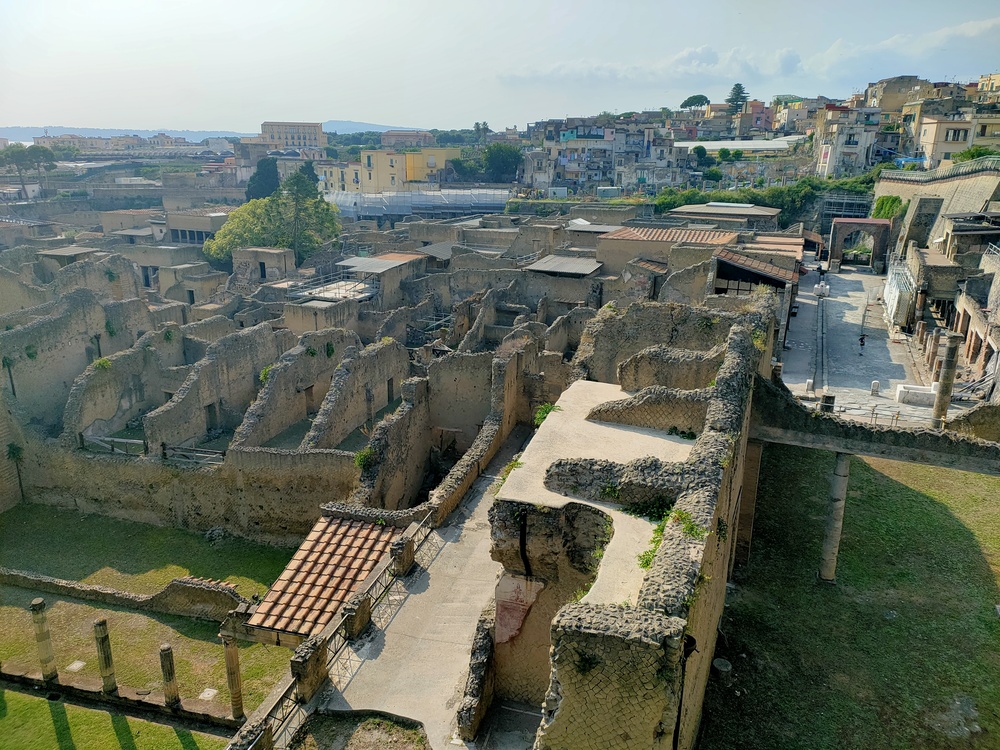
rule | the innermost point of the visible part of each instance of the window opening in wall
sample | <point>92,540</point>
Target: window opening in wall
<point>190,296</point>
<point>263,271</point>
<point>211,417</point>
<point>389,391</point>
<point>310,401</point>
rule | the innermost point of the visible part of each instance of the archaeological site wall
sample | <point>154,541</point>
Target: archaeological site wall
<point>217,392</point>
<point>365,382</point>
<point>459,396</point>
<point>295,387</point>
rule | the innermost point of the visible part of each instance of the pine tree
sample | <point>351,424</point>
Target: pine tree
<point>738,96</point>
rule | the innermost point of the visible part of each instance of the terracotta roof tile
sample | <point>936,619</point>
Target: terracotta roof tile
<point>757,266</point>
<point>332,562</point>
<point>674,234</point>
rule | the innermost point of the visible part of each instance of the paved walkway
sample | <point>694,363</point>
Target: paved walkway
<point>414,662</point>
<point>824,347</point>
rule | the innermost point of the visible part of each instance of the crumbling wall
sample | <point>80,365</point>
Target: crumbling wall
<point>460,388</point>
<point>614,336</point>
<point>112,277</point>
<point>670,367</point>
<point>10,494</point>
<point>566,331</point>
<point>295,386</point>
<point>688,285</point>
<point>549,557</point>
<point>359,389</point>
<point>218,390</point>
<point>315,315</point>
<point>982,421</point>
<point>126,385</point>
<point>15,294</point>
<point>395,324</point>
<point>44,356</point>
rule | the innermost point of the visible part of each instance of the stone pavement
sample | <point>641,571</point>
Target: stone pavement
<point>823,346</point>
<point>414,661</point>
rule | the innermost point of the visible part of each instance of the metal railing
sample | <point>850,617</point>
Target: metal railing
<point>113,445</point>
<point>200,456</point>
<point>342,663</point>
<point>983,164</point>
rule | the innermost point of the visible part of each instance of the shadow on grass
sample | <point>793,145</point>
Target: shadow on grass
<point>89,543</point>
<point>186,739</point>
<point>61,723</point>
<point>893,656</point>
<point>123,732</point>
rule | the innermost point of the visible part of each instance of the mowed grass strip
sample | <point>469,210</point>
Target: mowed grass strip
<point>31,723</point>
<point>902,651</point>
<point>135,646</point>
<point>135,557</point>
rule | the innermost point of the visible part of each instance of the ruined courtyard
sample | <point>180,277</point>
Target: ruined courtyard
<point>490,464</point>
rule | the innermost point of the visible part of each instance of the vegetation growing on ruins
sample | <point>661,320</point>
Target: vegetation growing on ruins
<point>646,558</point>
<point>543,411</point>
<point>265,373</point>
<point>32,722</point>
<point>898,652</point>
<point>689,527</point>
<point>365,458</point>
<point>514,463</point>
<point>360,733</point>
<point>889,207</point>
<point>102,364</point>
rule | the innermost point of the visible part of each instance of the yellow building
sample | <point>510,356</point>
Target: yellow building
<point>389,171</point>
<point>989,88</point>
<point>293,134</point>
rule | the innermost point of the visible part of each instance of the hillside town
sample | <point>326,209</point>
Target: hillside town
<point>628,431</point>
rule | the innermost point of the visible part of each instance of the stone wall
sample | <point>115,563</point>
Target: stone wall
<point>670,367</point>
<point>219,389</point>
<point>296,386</point>
<point>613,336</point>
<point>48,353</point>
<point>10,494</point>
<point>550,556</point>
<point>359,389</point>
<point>460,389</point>
<point>566,331</point>
<point>15,294</point>
<point>187,597</point>
<point>269,498</point>
<point>982,421</point>
<point>317,315</point>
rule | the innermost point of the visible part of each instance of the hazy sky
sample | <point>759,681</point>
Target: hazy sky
<point>230,64</point>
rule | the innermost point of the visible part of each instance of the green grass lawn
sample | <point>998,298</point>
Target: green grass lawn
<point>880,659</point>
<point>135,644</point>
<point>31,723</point>
<point>130,556</point>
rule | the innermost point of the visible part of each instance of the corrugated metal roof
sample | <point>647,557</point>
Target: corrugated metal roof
<point>333,561</point>
<point>439,250</point>
<point>565,264</point>
<point>757,266</point>
<point>378,263</point>
<point>674,234</point>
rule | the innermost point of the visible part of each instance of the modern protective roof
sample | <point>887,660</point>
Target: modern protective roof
<point>757,266</point>
<point>331,563</point>
<point>674,234</point>
<point>594,228</point>
<point>439,250</point>
<point>71,251</point>
<point>565,265</point>
<point>725,209</point>
<point>378,263</point>
<point>144,232</point>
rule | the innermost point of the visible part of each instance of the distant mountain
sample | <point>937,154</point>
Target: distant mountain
<point>27,132</point>
<point>350,126</point>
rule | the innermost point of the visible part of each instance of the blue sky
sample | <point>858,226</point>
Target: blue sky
<point>230,64</point>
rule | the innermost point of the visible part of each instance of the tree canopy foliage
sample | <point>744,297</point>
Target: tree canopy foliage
<point>793,200</point>
<point>296,217</point>
<point>309,170</point>
<point>501,161</point>
<point>265,180</point>
<point>695,100</point>
<point>738,96</point>
<point>974,152</point>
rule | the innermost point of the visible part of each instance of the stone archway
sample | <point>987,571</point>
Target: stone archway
<point>878,229</point>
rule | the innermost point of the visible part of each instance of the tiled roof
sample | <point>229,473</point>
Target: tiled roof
<point>652,265</point>
<point>328,567</point>
<point>673,234</point>
<point>757,266</point>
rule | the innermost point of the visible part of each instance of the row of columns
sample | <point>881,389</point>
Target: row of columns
<point>943,369</point>
<point>106,664</point>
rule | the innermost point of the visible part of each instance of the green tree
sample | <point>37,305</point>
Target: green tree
<point>332,153</point>
<point>17,156</point>
<point>738,96</point>
<point>712,175</point>
<point>265,180</point>
<point>738,155</point>
<point>501,161</point>
<point>974,152</point>
<point>704,160</point>
<point>295,217</point>
<point>695,100</point>
<point>725,154</point>
<point>309,170</point>
<point>40,157</point>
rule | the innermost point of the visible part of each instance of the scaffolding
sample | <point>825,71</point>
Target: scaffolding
<point>843,205</point>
